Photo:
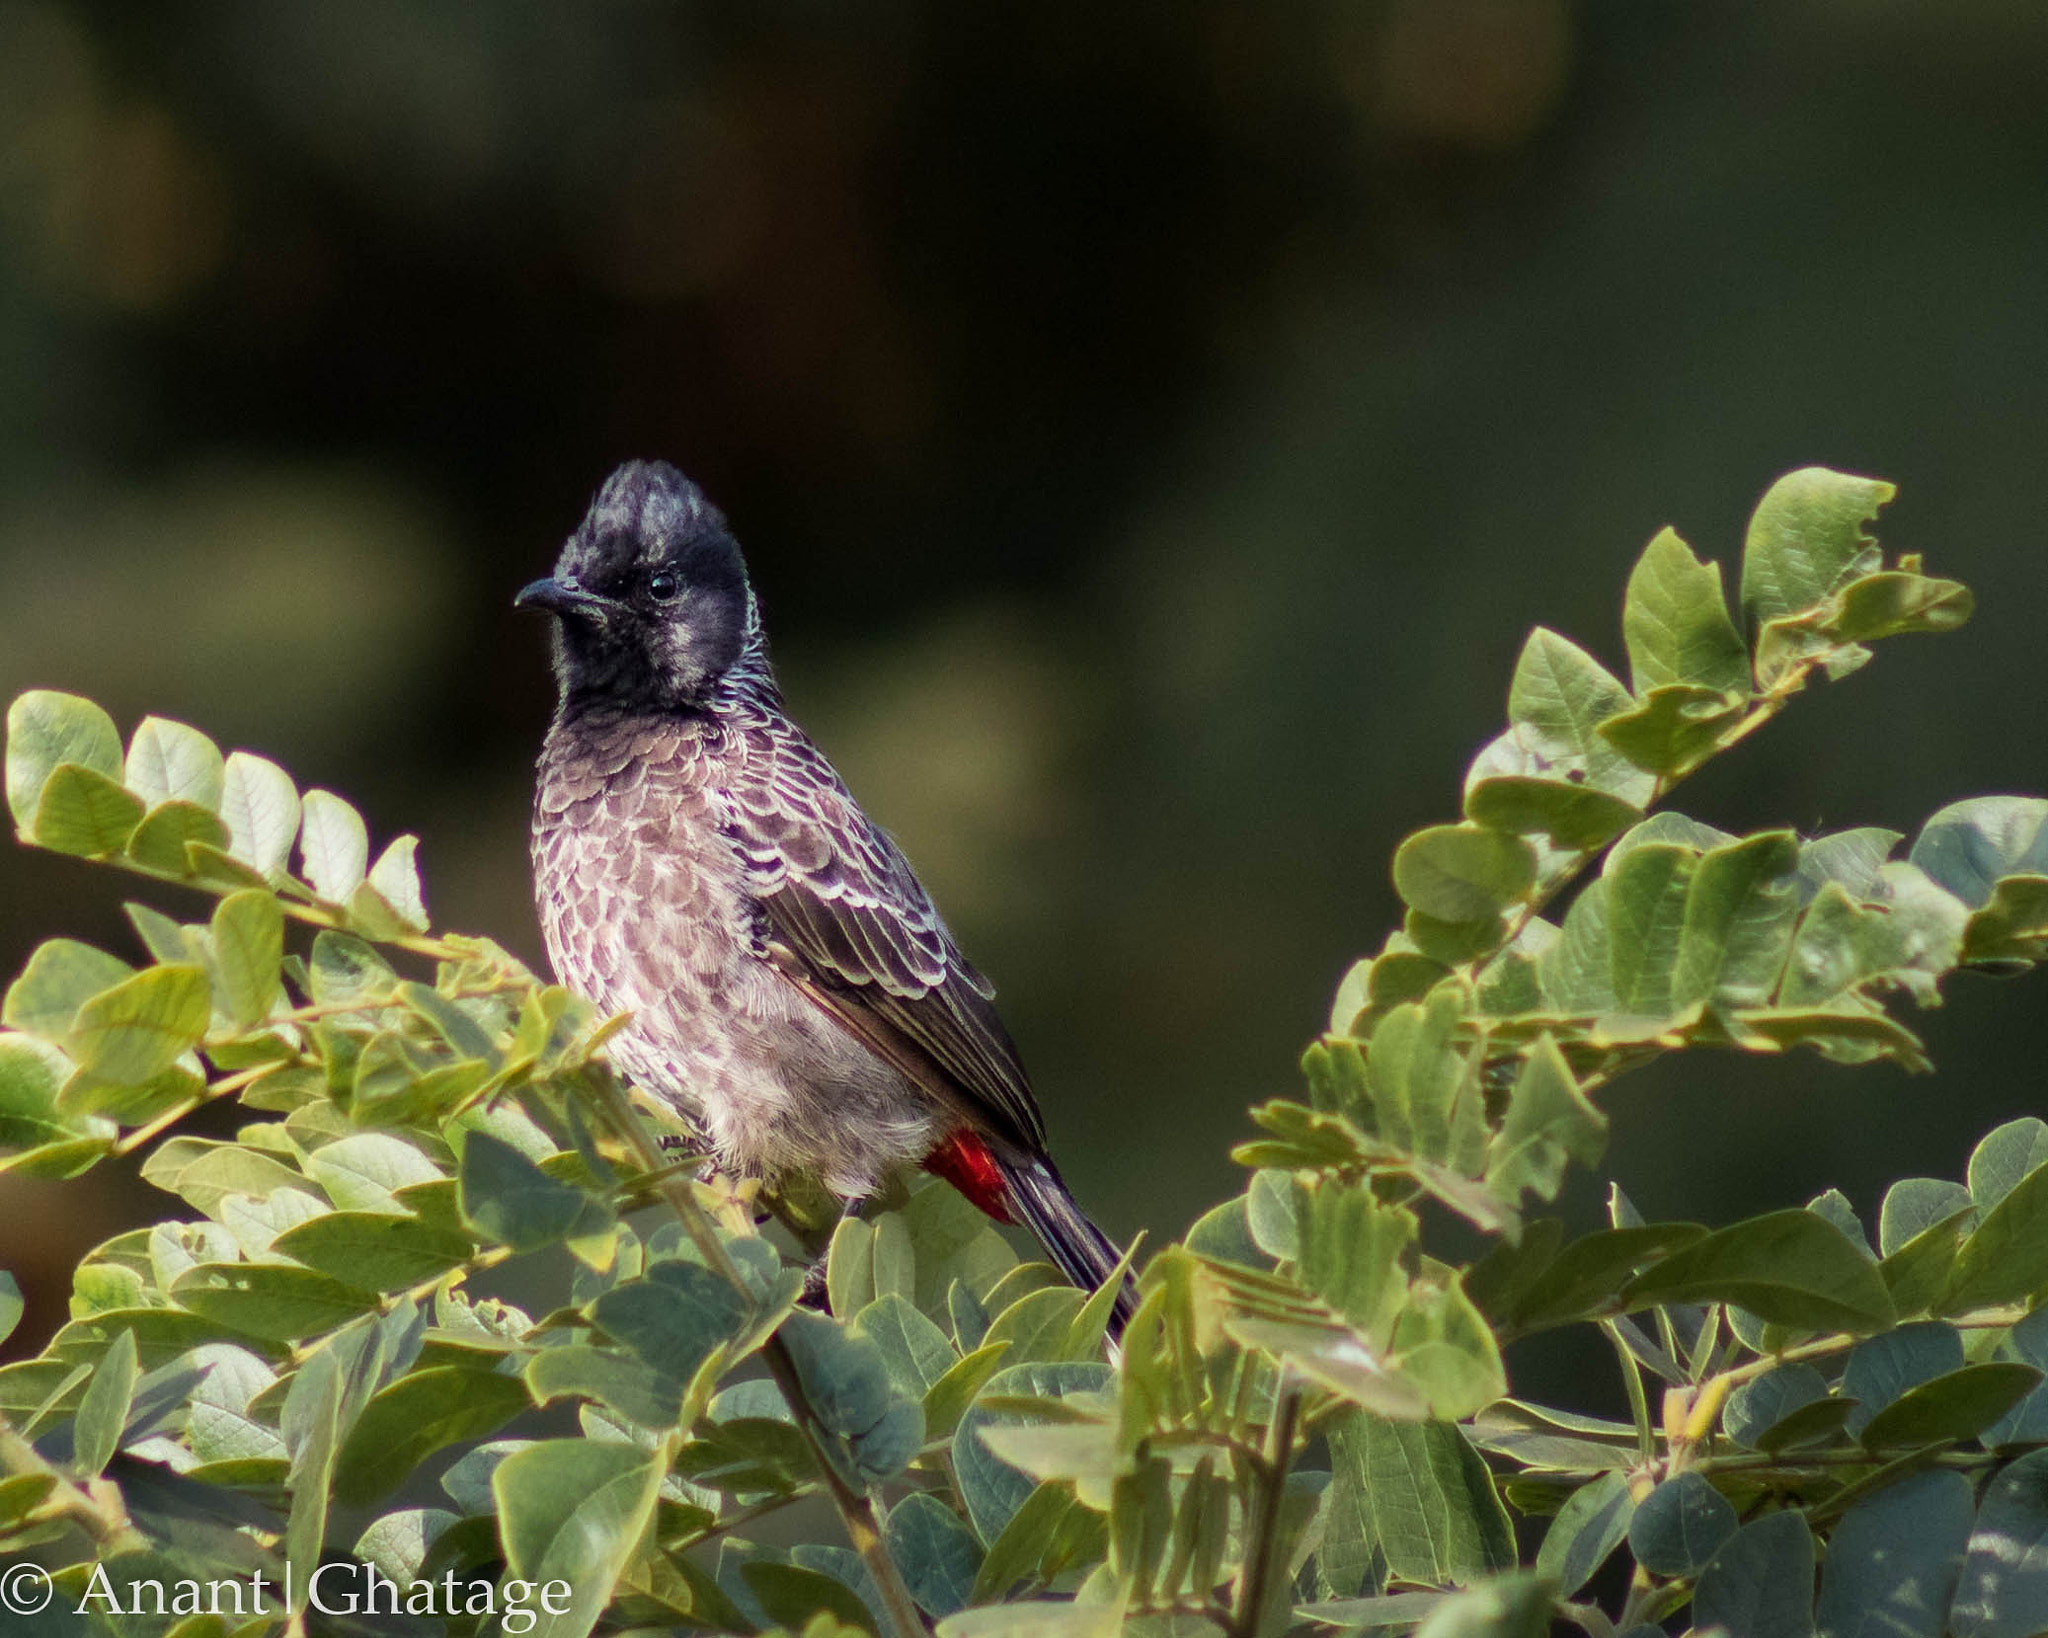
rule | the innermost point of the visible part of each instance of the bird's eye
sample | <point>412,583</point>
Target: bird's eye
<point>662,586</point>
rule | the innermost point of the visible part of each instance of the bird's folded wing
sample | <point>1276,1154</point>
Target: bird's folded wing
<point>859,935</point>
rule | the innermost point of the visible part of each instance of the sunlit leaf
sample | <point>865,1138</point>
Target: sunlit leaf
<point>46,729</point>
<point>1676,622</point>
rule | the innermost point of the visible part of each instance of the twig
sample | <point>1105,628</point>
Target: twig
<point>95,1507</point>
<point>856,1511</point>
<point>226,1086</point>
<point>1261,1540</point>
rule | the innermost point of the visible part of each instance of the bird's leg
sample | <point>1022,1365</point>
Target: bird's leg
<point>814,1296</point>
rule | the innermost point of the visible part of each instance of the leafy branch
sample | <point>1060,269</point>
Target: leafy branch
<point>250,1382</point>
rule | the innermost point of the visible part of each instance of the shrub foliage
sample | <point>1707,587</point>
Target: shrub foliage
<point>261,1382</point>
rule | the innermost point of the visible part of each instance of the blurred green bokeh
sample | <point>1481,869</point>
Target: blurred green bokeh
<point>1152,435</point>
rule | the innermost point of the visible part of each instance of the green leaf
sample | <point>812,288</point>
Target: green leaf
<point>937,1554</point>
<point>334,845</point>
<point>139,1028</point>
<point>2003,1592</point>
<point>1447,944</point>
<point>1957,1406</point>
<point>1758,1406</point>
<point>1444,1350</point>
<point>1576,971</point>
<point>1592,1273</point>
<point>992,1489</point>
<point>2006,1255</point>
<point>103,1413</point>
<point>574,1510</point>
<point>1676,624</point>
<point>248,949</point>
<point>1804,537</point>
<point>1920,935</point>
<point>1558,700</point>
<point>1792,1267</point>
<point>1586,1530</point>
<point>168,833</point>
<point>1829,950</point>
<point>1509,1606</point>
<point>1023,1544</point>
<point>344,968</point>
<point>365,1170</point>
<point>510,1200</point>
<point>398,1543</point>
<point>1576,817</point>
<point>948,1398</point>
<point>1894,1558</point>
<point>1680,1526</point>
<point>1675,729</point>
<point>1739,909</point>
<point>1967,846</point>
<point>170,762</point>
<point>312,1419</point>
<point>951,1240</point>
<point>1646,915</point>
<point>2013,924</point>
<point>46,729</point>
<point>916,1351</point>
<point>1224,1234</point>
<point>850,1265</point>
<point>1424,1089</point>
<point>260,806</point>
<point>1917,1272</point>
<point>1849,1032</point>
<point>2026,1422</point>
<point>1549,1123</point>
<point>1353,1246</point>
<point>60,977</point>
<point>1379,1613</point>
<point>2004,1156</point>
<point>1433,1502</point>
<point>372,1251</point>
<point>1761,1583</point>
<point>1881,1368</point>
<point>621,1382</point>
<point>1895,602</point>
<point>1834,1205</point>
<point>1848,857</point>
<point>422,1412</point>
<point>219,1426</point>
<point>793,1596</point>
<point>1463,872</point>
<point>396,877</point>
<point>673,1317</point>
<point>1078,1451</point>
<point>10,1304</point>
<point>86,814</point>
<point>274,1301</point>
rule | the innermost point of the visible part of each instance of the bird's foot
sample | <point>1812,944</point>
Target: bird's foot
<point>814,1295</point>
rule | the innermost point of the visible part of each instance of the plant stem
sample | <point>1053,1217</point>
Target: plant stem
<point>1262,1538</point>
<point>856,1510</point>
<point>95,1507</point>
<point>226,1086</point>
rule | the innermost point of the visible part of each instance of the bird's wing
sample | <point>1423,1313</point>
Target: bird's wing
<point>851,925</point>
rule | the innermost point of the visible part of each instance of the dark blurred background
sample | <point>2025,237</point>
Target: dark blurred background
<point>1153,429</point>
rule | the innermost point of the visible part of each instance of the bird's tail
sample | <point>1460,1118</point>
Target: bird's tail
<point>1087,1256</point>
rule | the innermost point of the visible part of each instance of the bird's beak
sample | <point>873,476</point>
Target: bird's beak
<point>561,597</point>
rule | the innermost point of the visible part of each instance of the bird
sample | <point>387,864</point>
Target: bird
<point>699,864</point>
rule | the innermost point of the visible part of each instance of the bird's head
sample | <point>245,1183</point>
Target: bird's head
<point>650,596</point>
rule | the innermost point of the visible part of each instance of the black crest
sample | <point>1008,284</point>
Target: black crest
<point>650,595</point>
